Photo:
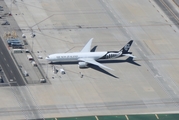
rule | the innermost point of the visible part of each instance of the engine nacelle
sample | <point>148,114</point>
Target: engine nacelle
<point>83,65</point>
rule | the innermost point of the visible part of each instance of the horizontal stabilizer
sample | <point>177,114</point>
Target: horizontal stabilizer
<point>129,55</point>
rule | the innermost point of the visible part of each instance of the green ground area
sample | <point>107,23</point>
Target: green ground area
<point>124,117</point>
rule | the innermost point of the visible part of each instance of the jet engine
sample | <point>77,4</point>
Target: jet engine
<point>83,65</point>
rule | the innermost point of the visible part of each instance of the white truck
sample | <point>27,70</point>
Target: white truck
<point>29,57</point>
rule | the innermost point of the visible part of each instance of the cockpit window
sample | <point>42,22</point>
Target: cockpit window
<point>48,57</point>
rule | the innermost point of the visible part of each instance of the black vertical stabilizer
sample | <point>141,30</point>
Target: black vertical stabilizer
<point>125,49</point>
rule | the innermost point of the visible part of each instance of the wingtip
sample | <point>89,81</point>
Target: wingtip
<point>110,69</point>
<point>91,38</point>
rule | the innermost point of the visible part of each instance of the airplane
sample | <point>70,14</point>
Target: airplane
<point>85,56</point>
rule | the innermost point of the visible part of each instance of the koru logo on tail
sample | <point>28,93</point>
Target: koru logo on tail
<point>126,48</point>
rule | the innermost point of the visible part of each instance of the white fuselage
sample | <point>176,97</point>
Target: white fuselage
<point>74,57</point>
<point>86,57</point>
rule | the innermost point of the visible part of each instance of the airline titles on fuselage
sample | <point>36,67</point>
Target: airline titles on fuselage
<point>74,56</point>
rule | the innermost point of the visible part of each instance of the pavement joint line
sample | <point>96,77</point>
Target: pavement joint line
<point>139,49</point>
<point>172,89</point>
<point>156,116</point>
<point>126,117</point>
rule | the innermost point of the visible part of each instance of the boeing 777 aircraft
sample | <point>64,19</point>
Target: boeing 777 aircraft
<point>85,57</point>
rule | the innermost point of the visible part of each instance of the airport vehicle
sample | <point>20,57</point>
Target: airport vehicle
<point>14,42</point>
<point>16,45</point>
<point>5,23</point>
<point>29,57</point>
<point>86,57</point>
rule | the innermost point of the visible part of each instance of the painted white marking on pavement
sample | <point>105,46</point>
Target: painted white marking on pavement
<point>126,117</point>
<point>156,116</point>
<point>96,118</point>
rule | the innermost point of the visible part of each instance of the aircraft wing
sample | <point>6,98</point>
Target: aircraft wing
<point>94,62</point>
<point>87,47</point>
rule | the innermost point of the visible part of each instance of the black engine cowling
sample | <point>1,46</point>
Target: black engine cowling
<point>83,65</point>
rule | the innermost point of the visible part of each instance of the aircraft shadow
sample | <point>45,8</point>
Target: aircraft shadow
<point>129,60</point>
<point>101,70</point>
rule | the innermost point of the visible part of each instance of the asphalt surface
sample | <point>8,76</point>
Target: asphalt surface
<point>9,67</point>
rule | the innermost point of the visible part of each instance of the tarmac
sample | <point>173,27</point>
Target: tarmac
<point>148,84</point>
